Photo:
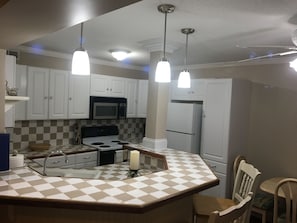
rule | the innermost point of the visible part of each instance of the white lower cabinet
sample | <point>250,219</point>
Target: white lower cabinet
<point>86,159</point>
<point>220,170</point>
<point>78,160</point>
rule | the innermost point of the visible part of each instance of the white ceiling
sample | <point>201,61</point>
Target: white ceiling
<point>220,25</point>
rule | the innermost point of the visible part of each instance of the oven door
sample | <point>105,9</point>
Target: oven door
<point>105,110</point>
<point>106,157</point>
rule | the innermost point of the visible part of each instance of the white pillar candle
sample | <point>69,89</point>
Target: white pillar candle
<point>134,160</point>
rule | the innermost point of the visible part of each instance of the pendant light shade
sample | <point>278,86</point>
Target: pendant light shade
<point>184,78</point>
<point>80,59</point>
<point>163,71</point>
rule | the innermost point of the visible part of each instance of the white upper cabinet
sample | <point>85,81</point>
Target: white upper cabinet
<point>131,95</point>
<point>48,92</point>
<point>79,97</point>
<point>21,84</point>
<point>102,85</point>
<point>10,71</point>
<point>142,98</point>
<point>58,94</point>
<point>37,106</point>
<point>195,93</point>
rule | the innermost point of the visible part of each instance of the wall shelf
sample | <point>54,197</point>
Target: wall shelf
<point>11,100</point>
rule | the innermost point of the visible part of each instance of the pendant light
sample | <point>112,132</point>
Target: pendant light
<point>163,72</point>
<point>80,59</point>
<point>184,79</point>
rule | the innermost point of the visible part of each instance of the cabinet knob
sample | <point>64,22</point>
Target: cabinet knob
<point>50,97</point>
<point>70,98</point>
<point>107,89</point>
<point>45,97</point>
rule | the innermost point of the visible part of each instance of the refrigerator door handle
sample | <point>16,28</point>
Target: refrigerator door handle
<point>186,133</point>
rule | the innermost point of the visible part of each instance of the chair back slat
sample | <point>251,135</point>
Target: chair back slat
<point>247,180</point>
<point>286,188</point>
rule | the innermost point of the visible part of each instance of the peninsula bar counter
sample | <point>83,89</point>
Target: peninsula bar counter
<point>164,196</point>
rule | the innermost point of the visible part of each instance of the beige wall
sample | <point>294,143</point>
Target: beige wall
<point>273,115</point>
<point>65,64</point>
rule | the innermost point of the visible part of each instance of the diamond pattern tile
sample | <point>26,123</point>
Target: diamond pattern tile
<point>185,171</point>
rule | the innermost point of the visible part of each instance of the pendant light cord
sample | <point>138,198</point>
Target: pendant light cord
<point>81,34</point>
<point>186,57</point>
<point>164,43</point>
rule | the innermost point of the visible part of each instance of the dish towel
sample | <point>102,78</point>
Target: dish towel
<point>119,156</point>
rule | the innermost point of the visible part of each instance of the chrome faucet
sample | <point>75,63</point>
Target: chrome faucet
<point>50,154</point>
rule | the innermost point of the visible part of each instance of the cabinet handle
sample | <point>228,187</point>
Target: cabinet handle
<point>107,89</point>
<point>87,157</point>
<point>110,89</point>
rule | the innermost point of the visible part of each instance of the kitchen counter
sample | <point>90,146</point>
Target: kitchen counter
<point>186,174</point>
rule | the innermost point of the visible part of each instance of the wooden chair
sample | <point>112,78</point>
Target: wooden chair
<point>236,213</point>
<point>286,188</point>
<point>247,180</point>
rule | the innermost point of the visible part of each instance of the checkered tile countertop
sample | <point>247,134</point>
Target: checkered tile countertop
<point>187,173</point>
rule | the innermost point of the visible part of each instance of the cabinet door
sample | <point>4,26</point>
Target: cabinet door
<point>21,84</point>
<point>58,94</point>
<point>216,119</point>
<point>10,66</point>
<point>99,85</point>
<point>142,98</point>
<point>37,106</point>
<point>131,94</point>
<point>79,97</point>
<point>180,93</point>
<point>117,87</point>
<point>219,190</point>
<point>195,93</point>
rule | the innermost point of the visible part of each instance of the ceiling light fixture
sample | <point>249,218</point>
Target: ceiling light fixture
<point>163,72</point>
<point>184,79</point>
<point>293,64</point>
<point>120,54</point>
<point>80,59</point>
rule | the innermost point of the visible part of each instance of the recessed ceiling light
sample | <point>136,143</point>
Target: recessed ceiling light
<point>120,54</point>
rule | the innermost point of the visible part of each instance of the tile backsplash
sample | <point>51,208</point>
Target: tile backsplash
<point>62,132</point>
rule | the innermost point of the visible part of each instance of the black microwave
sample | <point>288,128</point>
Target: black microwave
<point>108,108</point>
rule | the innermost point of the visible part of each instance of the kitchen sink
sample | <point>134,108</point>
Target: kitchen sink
<point>69,172</point>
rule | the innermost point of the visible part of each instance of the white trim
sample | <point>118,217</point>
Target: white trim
<point>280,60</point>
<point>154,143</point>
<point>69,57</point>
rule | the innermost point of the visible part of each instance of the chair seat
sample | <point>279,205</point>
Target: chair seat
<point>210,204</point>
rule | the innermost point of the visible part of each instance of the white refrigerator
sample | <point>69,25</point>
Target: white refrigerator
<point>184,126</point>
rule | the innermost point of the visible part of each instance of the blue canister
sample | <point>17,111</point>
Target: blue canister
<point>4,151</point>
